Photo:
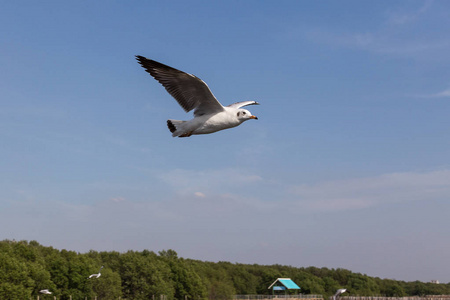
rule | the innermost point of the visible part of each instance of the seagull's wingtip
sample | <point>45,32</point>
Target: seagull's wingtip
<point>140,58</point>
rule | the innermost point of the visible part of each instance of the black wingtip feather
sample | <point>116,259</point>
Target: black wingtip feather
<point>172,127</point>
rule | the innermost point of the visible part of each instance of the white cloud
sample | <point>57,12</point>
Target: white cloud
<point>445,93</point>
<point>365,192</point>
<point>405,17</point>
<point>442,94</point>
<point>385,42</point>
<point>117,199</point>
<point>199,194</point>
<point>228,191</point>
<point>219,181</point>
<point>209,224</point>
<point>393,37</point>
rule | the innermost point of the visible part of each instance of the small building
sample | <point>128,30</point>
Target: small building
<point>283,284</point>
<point>435,281</point>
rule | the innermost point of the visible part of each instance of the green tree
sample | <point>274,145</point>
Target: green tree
<point>395,290</point>
<point>27,267</point>
<point>15,282</point>
<point>186,281</point>
<point>10,291</point>
<point>144,276</point>
<point>221,291</point>
<point>363,285</point>
<point>108,286</point>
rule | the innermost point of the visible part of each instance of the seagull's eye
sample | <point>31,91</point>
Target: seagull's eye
<point>243,112</point>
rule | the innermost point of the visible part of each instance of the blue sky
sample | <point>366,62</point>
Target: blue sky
<point>347,166</point>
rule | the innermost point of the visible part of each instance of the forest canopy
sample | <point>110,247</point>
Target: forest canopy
<point>28,267</point>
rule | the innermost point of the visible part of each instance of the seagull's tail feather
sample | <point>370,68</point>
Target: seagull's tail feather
<point>174,126</point>
<point>171,126</point>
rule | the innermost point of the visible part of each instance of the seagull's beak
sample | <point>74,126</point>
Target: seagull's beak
<point>254,117</point>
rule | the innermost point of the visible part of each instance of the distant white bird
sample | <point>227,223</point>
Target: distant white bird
<point>192,93</point>
<point>96,275</point>
<point>338,292</point>
<point>46,291</point>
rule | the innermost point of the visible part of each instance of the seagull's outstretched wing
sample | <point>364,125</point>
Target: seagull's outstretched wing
<point>339,291</point>
<point>190,91</point>
<point>243,103</point>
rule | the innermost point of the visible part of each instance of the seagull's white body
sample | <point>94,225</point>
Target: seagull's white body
<point>339,292</point>
<point>208,123</point>
<point>192,93</point>
<point>46,291</point>
<point>96,275</point>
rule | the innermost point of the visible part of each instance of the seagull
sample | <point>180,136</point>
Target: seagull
<point>96,275</point>
<point>46,291</point>
<point>338,292</point>
<point>192,93</point>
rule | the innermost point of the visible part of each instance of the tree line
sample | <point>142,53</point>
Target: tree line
<point>27,267</point>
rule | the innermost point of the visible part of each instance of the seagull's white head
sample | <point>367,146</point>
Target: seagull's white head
<point>244,115</point>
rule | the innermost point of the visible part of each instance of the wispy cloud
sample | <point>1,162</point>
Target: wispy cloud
<point>220,181</point>
<point>401,17</point>
<point>445,93</point>
<point>360,193</point>
<point>121,223</point>
<point>442,94</point>
<point>200,194</point>
<point>378,42</point>
<point>396,34</point>
<point>117,199</point>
